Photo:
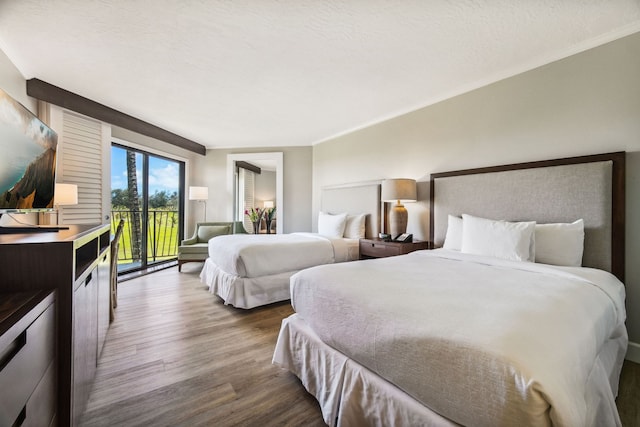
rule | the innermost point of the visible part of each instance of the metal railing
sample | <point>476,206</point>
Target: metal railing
<point>162,235</point>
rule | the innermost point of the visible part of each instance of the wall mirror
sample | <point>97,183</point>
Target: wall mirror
<point>250,189</point>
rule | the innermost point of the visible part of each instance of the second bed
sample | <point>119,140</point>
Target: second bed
<point>248,270</point>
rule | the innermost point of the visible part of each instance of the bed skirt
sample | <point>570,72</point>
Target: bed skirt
<point>245,292</point>
<point>349,394</point>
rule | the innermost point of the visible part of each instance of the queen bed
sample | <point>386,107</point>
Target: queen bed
<point>248,270</point>
<point>489,331</point>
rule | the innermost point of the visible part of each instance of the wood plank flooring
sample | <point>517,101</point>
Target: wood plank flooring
<point>176,356</point>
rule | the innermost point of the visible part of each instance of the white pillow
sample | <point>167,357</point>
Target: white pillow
<point>331,225</point>
<point>453,238</point>
<point>560,243</point>
<point>500,239</point>
<point>355,227</point>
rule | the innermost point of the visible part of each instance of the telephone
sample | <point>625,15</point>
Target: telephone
<point>404,238</point>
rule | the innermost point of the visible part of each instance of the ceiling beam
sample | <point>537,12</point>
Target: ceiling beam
<point>248,166</point>
<point>69,100</point>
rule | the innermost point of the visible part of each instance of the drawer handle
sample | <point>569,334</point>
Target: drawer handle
<point>12,349</point>
<point>21,417</point>
<point>88,279</point>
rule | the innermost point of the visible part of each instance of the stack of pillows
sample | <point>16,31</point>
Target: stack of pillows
<point>556,244</point>
<point>341,225</point>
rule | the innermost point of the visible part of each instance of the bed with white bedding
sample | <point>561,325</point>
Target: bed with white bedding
<point>248,270</point>
<point>450,337</point>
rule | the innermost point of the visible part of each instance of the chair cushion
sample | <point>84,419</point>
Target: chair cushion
<point>206,232</point>
<point>198,248</point>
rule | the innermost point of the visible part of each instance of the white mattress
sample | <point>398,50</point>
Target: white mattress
<point>251,255</point>
<point>248,271</point>
<point>477,340</point>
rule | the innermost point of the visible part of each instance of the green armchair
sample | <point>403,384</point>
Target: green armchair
<point>196,248</point>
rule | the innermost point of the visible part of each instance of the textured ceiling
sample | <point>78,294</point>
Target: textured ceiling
<point>251,73</point>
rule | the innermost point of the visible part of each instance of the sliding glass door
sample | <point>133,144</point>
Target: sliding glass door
<point>147,192</point>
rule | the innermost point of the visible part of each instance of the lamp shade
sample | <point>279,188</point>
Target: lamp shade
<point>268,204</point>
<point>400,189</point>
<point>65,194</point>
<point>198,193</point>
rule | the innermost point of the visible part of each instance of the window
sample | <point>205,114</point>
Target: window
<point>147,191</point>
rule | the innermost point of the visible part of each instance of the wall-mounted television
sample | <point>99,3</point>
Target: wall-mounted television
<point>27,159</point>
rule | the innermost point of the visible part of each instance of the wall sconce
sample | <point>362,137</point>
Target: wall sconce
<point>398,190</point>
<point>268,204</point>
<point>200,194</point>
<point>64,195</point>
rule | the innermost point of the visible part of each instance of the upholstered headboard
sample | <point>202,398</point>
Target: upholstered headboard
<point>355,199</point>
<point>563,190</point>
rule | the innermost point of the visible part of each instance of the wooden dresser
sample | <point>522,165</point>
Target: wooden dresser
<point>74,263</point>
<point>27,359</point>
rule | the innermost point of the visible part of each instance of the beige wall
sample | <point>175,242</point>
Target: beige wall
<point>13,83</point>
<point>297,184</point>
<point>586,104</point>
<point>265,187</point>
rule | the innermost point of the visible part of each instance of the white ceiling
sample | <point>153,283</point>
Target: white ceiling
<point>251,73</point>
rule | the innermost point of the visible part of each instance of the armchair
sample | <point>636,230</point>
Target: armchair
<point>196,248</point>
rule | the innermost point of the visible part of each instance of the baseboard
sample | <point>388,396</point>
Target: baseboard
<point>633,352</point>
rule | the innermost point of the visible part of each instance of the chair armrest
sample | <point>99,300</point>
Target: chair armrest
<point>190,241</point>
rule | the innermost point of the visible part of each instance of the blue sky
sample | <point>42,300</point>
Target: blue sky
<point>163,174</point>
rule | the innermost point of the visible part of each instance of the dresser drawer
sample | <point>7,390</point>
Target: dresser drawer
<point>25,355</point>
<point>378,250</point>
<point>41,406</point>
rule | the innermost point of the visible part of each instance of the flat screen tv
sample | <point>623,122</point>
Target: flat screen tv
<point>27,159</point>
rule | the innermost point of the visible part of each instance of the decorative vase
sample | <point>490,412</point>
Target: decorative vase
<point>268,221</point>
<point>256,227</point>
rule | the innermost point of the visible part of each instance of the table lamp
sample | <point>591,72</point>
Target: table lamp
<point>398,190</point>
<point>64,195</point>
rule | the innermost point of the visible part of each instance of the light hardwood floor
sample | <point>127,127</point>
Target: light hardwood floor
<point>176,356</point>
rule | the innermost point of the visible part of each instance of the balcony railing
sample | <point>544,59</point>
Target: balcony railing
<point>162,235</point>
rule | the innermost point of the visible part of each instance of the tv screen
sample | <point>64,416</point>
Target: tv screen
<point>27,159</point>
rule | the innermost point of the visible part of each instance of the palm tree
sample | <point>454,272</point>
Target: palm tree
<point>134,205</point>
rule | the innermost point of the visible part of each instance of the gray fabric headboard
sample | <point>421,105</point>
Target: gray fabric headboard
<point>588,187</point>
<point>355,199</point>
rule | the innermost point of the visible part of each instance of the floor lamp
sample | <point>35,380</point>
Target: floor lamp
<point>200,194</point>
<point>64,195</point>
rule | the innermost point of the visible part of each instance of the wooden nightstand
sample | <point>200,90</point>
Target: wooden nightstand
<point>376,248</point>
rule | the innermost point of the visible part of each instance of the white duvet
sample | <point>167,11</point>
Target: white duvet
<point>480,341</point>
<point>250,255</point>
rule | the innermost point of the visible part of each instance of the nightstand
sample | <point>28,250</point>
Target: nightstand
<point>376,248</point>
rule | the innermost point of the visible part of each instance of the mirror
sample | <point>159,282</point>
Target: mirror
<point>269,162</point>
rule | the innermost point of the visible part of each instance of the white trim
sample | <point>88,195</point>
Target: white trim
<point>106,173</point>
<point>633,352</point>
<point>274,156</point>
